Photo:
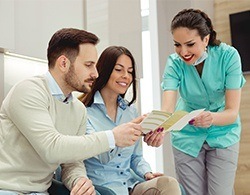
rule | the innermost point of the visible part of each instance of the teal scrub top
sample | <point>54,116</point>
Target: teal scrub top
<point>221,71</point>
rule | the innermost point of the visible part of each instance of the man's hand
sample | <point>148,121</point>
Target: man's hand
<point>127,134</point>
<point>83,186</point>
<point>139,119</point>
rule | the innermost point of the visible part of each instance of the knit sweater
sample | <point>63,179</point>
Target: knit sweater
<point>38,133</point>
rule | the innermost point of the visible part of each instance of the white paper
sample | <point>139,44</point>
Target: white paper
<point>158,119</point>
<point>184,120</point>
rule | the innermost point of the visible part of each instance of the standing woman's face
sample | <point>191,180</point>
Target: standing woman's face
<point>121,76</point>
<point>188,44</point>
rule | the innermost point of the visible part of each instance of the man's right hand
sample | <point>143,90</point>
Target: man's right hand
<point>127,134</point>
<point>139,119</point>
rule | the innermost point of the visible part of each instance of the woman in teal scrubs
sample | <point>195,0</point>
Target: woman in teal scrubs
<point>207,74</point>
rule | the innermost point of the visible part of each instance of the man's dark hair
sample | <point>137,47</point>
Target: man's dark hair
<point>66,42</point>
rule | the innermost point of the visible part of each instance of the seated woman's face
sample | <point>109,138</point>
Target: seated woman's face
<point>121,76</point>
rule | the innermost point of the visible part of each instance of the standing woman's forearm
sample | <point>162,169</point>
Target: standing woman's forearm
<point>229,115</point>
<point>169,101</point>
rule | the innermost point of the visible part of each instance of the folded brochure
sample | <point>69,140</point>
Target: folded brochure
<point>169,121</point>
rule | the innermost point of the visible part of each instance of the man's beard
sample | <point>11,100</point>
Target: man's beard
<point>73,81</point>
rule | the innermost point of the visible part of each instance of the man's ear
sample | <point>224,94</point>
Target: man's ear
<point>63,63</point>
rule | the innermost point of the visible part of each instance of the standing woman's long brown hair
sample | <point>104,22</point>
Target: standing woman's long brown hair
<point>196,19</point>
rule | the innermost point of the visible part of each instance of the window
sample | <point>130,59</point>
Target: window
<point>146,82</point>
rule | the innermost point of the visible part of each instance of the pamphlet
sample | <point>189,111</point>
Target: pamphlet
<point>169,121</point>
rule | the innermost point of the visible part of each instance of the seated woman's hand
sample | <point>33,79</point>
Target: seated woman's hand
<point>155,138</point>
<point>150,175</point>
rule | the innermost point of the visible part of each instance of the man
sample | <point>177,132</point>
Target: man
<point>42,125</point>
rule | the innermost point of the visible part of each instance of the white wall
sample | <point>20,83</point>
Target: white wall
<point>26,26</point>
<point>6,25</point>
<point>1,77</point>
<point>19,68</point>
<point>117,22</point>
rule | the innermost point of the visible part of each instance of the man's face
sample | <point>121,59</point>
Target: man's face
<point>82,72</point>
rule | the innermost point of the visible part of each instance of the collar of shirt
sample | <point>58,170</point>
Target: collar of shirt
<point>56,90</point>
<point>122,103</point>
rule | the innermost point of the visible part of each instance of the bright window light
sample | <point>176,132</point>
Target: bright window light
<point>146,88</point>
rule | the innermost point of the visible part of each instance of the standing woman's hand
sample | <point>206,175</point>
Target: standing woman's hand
<point>155,138</point>
<point>205,119</point>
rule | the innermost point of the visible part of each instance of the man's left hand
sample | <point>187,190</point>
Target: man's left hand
<point>83,186</point>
